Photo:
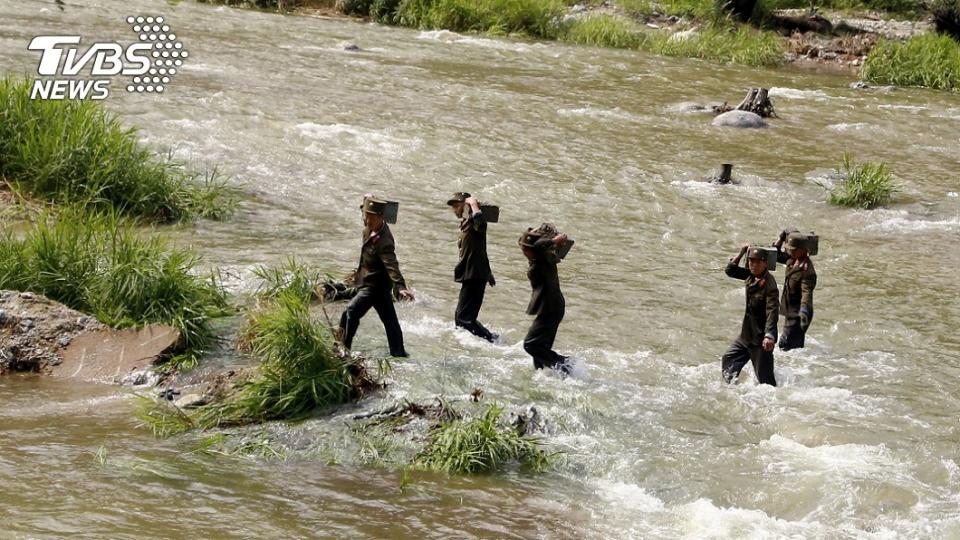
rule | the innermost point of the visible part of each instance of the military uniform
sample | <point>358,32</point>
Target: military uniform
<point>546,302</point>
<point>759,322</point>
<point>377,274</point>
<point>796,304</point>
<point>472,271</point>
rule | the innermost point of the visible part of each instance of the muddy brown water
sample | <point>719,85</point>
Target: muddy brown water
<point>859,441</point>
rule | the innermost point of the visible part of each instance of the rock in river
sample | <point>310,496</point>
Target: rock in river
<point>740,119</point>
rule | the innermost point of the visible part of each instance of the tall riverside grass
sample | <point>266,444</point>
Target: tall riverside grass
<point>535,18</point>
<point>724,44</point>
<point>928,60</point>
<point>99,264</point>
<point>75,152</point>
<point>483,444</point>
<point>866,185</point>
<point>299,370</point>
<point>605,31</point>
<point>719,44</point>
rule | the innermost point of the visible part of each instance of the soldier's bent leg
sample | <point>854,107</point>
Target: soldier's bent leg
<point>763,365</point>
<point>539,341</point>
<point>383,303</point>
<point>356,309</point>
<point>734,359</point>
<point>468,308</point>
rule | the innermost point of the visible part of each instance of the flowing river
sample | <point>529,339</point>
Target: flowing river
<point>861,440</point>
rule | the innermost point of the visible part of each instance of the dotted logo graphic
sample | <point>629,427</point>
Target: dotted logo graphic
<point>168,54</point>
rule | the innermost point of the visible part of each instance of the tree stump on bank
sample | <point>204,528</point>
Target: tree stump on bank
<point>757,101</point>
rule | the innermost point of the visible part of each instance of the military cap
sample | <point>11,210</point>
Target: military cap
<point>458,197</point>
<point>758,253</point>
<point>374,206</point>
<point>796,240</point>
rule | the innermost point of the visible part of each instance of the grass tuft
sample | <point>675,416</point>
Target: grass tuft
<point>867,185</point>
<point>99,264</point>
<point>482,444</point>
<point>76,152</point>
<point>929,60</point>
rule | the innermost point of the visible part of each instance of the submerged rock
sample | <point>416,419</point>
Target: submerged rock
<point>40,335</point>
<point>740,119</point>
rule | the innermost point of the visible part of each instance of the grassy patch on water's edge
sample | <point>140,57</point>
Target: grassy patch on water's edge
<point>99,264</point>
<point>78,153</point>
<point>865,185</point>
<point>929,60</point>
<point>482,444</point>
<point>300,367</point>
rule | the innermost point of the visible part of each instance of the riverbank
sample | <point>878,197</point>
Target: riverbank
<point>839,38</point>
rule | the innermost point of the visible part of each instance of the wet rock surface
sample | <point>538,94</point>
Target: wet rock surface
<point>739,119</point>
<point>40,335</point>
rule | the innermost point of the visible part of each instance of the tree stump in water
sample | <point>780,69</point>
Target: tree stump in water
<point>757,102</point>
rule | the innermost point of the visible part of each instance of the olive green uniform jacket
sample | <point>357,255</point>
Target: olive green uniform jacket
<point>379,268</point>
<point>799,281</point>
<point>763,306</point>
<point>546,298</point>
<point>474,263</point>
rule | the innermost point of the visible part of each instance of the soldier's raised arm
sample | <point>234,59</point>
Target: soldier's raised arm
<point>734,269</point>
<point>478,221</point>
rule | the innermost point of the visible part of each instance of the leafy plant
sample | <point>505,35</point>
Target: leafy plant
<point>483,444</point>
<point>867,185</point>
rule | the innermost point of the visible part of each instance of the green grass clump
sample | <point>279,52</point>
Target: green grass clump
<point>99,264</point>
<point>928,60</point>
<point>483,444</point>
<point>300,279</point>
<point>605,31</point>
<point>75,152</point>
<point>867,185</point>
<point>300,370</point>
<point>535,18</point>
<point>723,44</point>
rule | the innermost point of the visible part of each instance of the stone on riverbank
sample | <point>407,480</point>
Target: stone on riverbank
<point>40,335</point>
<point>739,119</point>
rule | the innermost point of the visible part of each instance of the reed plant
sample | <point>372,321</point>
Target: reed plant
<point>482,444</point>
<point>100,264</point>
<point>76,152</point>
<point>865,185</point>
<point>928,60</point>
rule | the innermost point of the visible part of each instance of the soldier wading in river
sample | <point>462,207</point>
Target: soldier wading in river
<point>799,281</point>
<point>546,300</point>
<point>376,276</point>
<point>473,270</point>
<point>758,334</point>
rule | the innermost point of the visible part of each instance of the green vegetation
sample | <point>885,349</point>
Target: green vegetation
<point>928,60</point>
<point>98,264</point>
<point>534,18</point>
<point>483,444</point>
<point>606,31</point>
<point>867,185</point>
<point>300,370</point>
<point>75,152</point>
<point>741,45</point>
<point>296,278</point>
